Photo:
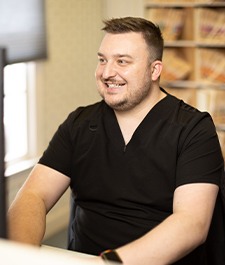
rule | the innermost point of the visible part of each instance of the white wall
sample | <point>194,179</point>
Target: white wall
<point>122,8</point>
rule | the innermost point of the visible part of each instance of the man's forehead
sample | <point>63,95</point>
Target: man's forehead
<point>116,55</point>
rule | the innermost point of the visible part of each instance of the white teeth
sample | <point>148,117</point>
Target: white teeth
<point>114,85</point>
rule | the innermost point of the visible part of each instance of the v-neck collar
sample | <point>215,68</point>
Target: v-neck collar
<point>160,110</point>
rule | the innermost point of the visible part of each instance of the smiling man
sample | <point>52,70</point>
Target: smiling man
<point>124,73</point>
<point>143,166</point>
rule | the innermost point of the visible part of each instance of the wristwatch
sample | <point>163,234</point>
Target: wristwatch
<point>111,255</point>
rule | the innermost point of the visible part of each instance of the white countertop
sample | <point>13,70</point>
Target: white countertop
<point>12,253</point>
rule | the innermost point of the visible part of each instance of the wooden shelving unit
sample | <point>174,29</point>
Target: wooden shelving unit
<point>194,58</point>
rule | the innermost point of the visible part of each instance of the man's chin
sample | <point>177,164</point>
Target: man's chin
<point>118,105</point>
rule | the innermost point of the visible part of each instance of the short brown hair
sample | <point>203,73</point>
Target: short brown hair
<point>151,32</point>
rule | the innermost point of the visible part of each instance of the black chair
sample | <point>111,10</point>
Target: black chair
<point>71,239</point>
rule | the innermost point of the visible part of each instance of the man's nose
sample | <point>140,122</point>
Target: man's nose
<point>109,70</point>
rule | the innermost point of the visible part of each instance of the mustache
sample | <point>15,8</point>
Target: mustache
<point>112,80</point>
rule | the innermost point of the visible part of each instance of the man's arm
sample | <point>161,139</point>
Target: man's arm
<point>27,214</point>
<point>180,233</point>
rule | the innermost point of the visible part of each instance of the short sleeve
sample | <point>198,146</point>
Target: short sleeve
<point>200,158</point>
<point>58,154</point>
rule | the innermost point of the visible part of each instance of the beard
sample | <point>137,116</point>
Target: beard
<point>128,101</point>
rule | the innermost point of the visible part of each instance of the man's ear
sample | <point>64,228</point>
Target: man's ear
<point>156,69</point>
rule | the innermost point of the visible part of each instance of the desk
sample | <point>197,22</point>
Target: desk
<point>12,253</point>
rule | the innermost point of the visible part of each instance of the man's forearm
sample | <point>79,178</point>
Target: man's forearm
<point>27,219</point>
<point>165,244</point>
<point>180,233</point>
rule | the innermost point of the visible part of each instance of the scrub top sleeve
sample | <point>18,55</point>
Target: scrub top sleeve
<point>200,158</point>
<point>58,154</point>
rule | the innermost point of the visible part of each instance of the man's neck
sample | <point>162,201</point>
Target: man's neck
<point>129,120</point>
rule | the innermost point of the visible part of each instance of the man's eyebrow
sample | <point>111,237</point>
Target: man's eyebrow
<point>100,54</point>
<point>118,55</point>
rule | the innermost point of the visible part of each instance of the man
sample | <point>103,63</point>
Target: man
<point>144,167</point>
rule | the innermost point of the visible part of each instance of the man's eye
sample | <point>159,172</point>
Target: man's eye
<point>101,60</point>
<point>122,61</point>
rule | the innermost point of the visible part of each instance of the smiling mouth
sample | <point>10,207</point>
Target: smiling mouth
<point>112,85</point>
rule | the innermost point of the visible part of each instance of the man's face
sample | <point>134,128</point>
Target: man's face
<point>123,73</point>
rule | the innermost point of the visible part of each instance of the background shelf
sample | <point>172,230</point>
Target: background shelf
<point>194,54</point>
